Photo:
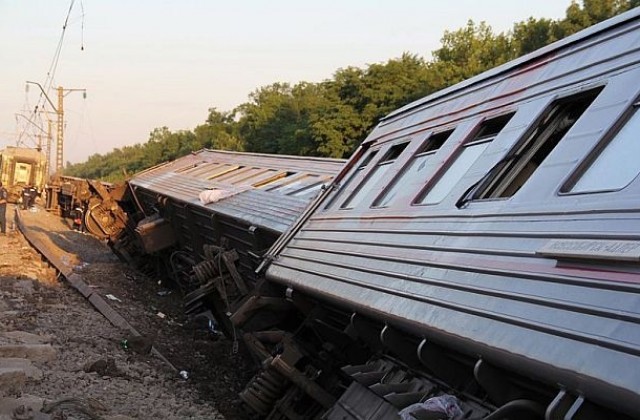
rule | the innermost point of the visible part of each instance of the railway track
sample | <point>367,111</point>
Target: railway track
<point>85,330</point>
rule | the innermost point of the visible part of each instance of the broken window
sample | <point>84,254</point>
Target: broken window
<point>471,151</point>
<point>373,178</point>
<point>415,170</point>
<point>508,175</point>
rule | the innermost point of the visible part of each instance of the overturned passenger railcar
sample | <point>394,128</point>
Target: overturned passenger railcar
<point>484,243</point>
<point>206,220</point>
<point>478,256</point>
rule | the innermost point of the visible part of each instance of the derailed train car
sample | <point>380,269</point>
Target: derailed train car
<point>212,215</point>
<point>90,204</point>
<point>485,241</point>
<point>22,167</point>
<point>477,257</point>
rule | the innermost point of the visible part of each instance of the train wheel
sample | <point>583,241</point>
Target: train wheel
<point>97,221</point>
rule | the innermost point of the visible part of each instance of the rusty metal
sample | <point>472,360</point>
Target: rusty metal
<point>279,374</point>
<point>155,234</point>
<point>257,304</point>
<point>88,203</point>
<point>302,381</point>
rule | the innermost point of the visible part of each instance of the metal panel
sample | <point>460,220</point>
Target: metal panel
<point>480,279</point>
<point>263,205</point>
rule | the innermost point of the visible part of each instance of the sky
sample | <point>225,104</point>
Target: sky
<point>154,63</point>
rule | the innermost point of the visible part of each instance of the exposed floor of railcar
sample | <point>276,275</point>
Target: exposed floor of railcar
<point>34,301</point>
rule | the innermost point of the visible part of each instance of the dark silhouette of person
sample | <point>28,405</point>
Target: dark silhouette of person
<point>3,209</point>
<point>28,196</point>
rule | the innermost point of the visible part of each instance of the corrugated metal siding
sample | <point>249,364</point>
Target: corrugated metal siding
<point>470,278</point>
<point>574,326</point>
<point>260,184</point>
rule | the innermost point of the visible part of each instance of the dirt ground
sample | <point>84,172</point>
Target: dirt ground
<point>91,363</point>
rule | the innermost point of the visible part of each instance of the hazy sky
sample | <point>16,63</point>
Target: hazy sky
<point>154,63</point>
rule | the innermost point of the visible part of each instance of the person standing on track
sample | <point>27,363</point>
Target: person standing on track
<point>3,209</point>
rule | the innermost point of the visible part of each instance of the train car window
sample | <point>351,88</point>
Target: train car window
<point>618,163</point>
<point>358,173</point>
<point>415,170</point>
<point>471,151</point>
<point>22,173</point>
<point>506,177</point>
<point>374,176</point>
<point>367,159</point>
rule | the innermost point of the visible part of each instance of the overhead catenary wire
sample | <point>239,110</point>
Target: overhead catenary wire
<point>82,27</point>
<point>49,80</point>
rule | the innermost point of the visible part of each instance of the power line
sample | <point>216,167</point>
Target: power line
<point>54,65</point>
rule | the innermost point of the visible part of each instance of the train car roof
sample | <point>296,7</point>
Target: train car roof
<point>25,152</point>
<point>269,191</point>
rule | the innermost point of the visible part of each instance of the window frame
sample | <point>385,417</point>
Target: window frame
<point>594,154</point>
<point>471,140</point>
<point>425,149</point>
<point>502,175</point>
<point>385,160</point>
<point>366,157</point>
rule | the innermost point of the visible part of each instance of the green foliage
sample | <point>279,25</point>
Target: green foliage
<point>591,12</point>
<point>333,117</point>
<point>470,51</point>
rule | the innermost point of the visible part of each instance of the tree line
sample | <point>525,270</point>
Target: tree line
<point>331,118</point>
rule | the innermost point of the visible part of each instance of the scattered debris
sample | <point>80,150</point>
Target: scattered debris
<point>441,407</point>
<point>164,293</point>
<point>161,315</point>
<point>112,297</point>
<point>184,374</point>
<point>81,266</point>
<point>139,344</point>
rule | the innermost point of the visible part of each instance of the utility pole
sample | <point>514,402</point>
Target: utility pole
<point>49,141</point>
<point>59,110</point>
<point>60,133</point>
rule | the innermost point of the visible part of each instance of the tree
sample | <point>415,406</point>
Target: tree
<point>333,117</point>
<point>579,17</point>
<point>532,34</point>
<point>471,50</point>
<point>218,132</point>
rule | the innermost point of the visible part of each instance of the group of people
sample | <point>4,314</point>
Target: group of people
<point>29,194</point>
